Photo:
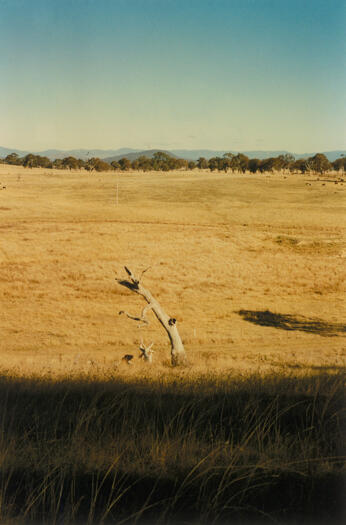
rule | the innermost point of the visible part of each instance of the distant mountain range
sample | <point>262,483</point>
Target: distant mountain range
<point>133,154</point>
<point>253,154</point>
<point>147,153</point>
<point>83,154</point>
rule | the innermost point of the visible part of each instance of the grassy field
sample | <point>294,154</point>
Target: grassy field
<point>252,268</point>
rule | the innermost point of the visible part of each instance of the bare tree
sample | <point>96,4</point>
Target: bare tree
<point>178,355</point>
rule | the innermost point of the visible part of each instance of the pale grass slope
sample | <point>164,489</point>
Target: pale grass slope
<point>216,244</point>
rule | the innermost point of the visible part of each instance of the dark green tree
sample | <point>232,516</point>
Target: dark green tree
<point>319,163</point>
<point>202,163</point>
<point>43,162</point>
<point>70,163</point>
<point>124,164</point>
<point>101,165</point>
<point>30,161</point>
<point>285,161</point>
<point>161,161</point>
<point>254,165</point>
<point>91,163</point>
<point>13,158</point>
<point>58,164</point>
<point>213,163</point>
<point>115,165</point>
<point>340,164</point>
<point>270,164</point>
<point>144,163</point>
<point>181,164</point>
<point>300,165</point>
<point>239,162</point>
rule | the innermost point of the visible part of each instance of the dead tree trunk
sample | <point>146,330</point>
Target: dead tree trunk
<point>178,355</point>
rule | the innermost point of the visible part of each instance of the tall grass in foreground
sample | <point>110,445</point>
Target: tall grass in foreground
<point>172,451</point>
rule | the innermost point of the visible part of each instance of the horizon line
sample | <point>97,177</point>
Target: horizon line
<point>28,150</point>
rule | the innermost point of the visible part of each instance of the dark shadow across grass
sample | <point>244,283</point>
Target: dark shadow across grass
<point>257,450</point>
<point>293,322</point>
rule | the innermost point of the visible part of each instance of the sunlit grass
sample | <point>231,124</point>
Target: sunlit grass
<point>216,244</point>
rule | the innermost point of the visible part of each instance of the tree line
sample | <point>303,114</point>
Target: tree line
<point>161,161</point>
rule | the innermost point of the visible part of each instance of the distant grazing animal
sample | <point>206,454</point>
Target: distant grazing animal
<point>127,359</point>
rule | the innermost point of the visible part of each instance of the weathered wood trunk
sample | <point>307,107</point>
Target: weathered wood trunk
<point>178,355</point>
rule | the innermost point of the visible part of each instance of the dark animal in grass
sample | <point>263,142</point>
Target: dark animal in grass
<point>127,359</point>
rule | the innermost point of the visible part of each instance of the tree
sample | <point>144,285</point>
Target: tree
<point>90,164</point>
<point>12,158</point>
<point>319,163</point>
<point>239,162</point>
<point>178,355</point>
<point>180,164</point>
<point>161,161</point>
<point>227,161</point>
<point>254,165</point>
<point>58,164</point>
<point>115,165</point>
<point>213,163</point>
<point>286,160</point>
<point>30,161</point>
<point>101,165</point>
<point>144,163</point>
<point>191,165</point>
<point>44,162</point>
<point>70,163</point>
<point>270,164</point>
<point>124,164</point>
<point>202,163</point>
<point>300,165</point>
<point>96,164</point>
<point>340,164</point>
<point>36,161</point>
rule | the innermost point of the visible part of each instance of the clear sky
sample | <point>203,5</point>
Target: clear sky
<point>218,74</point>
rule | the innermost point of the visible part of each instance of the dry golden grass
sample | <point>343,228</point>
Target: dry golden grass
<point>252,268</point>
<point>217,245</point>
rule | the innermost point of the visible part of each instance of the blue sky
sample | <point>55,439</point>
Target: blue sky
<point>236,74</point>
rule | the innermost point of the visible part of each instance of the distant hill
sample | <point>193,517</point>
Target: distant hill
<point>331,155</point>
<point>83,154</point>
<point>7,151</point>
<point>194,154</point>
<point>146,153</point>
<point>188,154</point>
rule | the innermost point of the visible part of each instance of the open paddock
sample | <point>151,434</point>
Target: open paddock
<point>251,266</point>
<point>252,429</point>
